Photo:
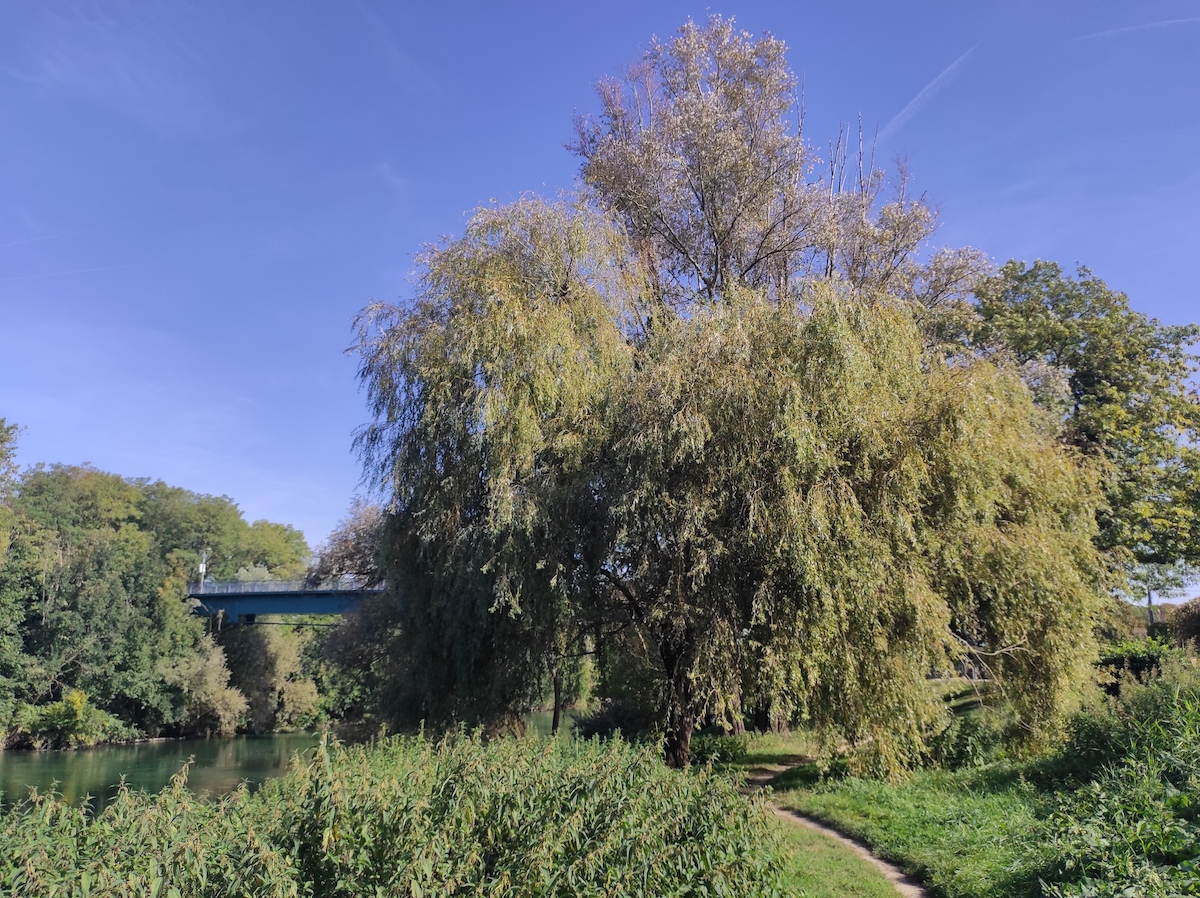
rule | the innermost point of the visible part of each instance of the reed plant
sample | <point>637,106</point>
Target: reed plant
<point>412,817</point>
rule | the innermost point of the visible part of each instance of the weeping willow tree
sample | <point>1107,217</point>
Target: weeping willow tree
<point>677,407</point>
<point>800,493</point>
<point>788,499</point>
<point>487,393</point>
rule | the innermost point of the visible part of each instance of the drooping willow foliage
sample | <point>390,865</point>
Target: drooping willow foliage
<point>784,487</point>
<point>791,502</point>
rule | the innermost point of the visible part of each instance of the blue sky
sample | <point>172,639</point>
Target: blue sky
<point>196,198</point>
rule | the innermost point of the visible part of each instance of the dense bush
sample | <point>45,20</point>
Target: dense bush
<point>1102,733</point>
<point>73,722</point>
<point>1141,659</point>
<point>972,738</point>
<point>412,817</point>
<point>720,748</point>
<point>1134,830</point>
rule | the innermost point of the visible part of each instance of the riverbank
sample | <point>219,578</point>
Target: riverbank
<point>217,765</point>
<point>513,817</point>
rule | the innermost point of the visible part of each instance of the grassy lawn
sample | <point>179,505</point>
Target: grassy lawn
<point>968,834</point>
<point>818,867</point>
<point>769,751</point>
<point>1110,814</point>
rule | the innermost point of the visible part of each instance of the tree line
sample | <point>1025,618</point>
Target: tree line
<point>97,638</point>
<point>717,431</point>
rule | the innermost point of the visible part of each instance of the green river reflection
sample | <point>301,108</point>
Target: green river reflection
<point>219,766</point>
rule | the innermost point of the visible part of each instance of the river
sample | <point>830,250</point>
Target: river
<point>218,766</point>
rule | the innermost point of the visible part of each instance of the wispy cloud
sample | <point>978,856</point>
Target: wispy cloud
<point>393,178</point>
<point>1165,23</point>
<point>405,71</point>
<point>138,65</point>
<point>37,239</point>
<point>58,274</point>
<point>927,93</point>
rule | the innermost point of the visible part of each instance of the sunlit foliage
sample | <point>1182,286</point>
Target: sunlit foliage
<point>696,405</point>
<point>1121,386</point>
<point>410,817</point>
<point>93,598</point>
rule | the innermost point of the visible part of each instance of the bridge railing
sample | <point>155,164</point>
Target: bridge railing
<point>257,587</point>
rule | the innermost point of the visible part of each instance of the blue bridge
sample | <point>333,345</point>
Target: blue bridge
<point>242,601</point>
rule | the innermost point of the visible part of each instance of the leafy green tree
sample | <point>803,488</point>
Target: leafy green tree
<point>75,501</point>
<point>19,579</point>
<point>8,474</point>
<point>790,488</point>
<point>688,410</point>
<point>93,591</point>
<point>1183,623</point>
<point>279,548</point>
<point>192,664</point>
<point>266,664</point>
<point>484,395</point>
<point>13,569</point>
<point>800,494</point>
<point>1121,387</point>
<point>352,550</point>
<point>191,523</point>
<point>1145,581</point>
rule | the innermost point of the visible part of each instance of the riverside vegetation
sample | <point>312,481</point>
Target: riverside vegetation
<point>717,442</point>
<point>97,640</point>
<point>407,816</point>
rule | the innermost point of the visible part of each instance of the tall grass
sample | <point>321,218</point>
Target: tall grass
<point>1114,814</point>
<point>1134,830</point>
<point>411,817</point>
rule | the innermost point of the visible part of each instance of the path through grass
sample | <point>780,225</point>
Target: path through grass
<point>968,834</point>
<point>816,866</point>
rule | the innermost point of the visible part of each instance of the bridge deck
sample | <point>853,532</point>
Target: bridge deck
<point>246,599</point>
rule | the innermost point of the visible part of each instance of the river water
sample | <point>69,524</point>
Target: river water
<point>218,766</point>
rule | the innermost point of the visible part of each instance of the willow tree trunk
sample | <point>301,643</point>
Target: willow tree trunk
<point>681,699</point>
<point>556,718</point>
<point>767,719</point>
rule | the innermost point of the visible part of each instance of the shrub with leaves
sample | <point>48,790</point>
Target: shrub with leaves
<point>73,722</point>
<point>1135,829</point>
<point>720,748</point>
<point>412,817</point>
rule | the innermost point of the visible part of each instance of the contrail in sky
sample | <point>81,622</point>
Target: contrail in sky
<point>35,239</point>
<point>55,274</point>
<point>924,96</point>
<point>1163,24</point>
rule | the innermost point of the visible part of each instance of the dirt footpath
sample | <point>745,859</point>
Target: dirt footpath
<point>904,884</point>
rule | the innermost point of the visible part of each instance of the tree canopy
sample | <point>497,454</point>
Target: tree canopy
<point>93,599</point>
<point>698,150</point>
<point>352,550</point>
<point>1121,387</point>
<point>699,407</point>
